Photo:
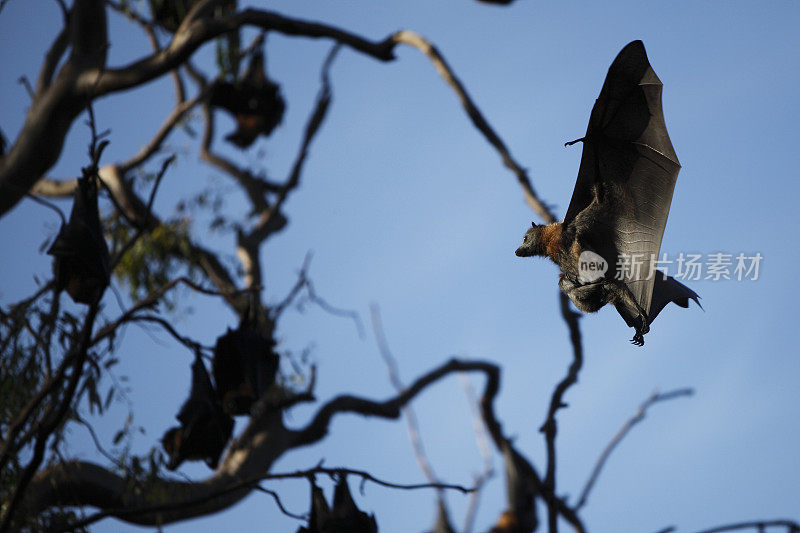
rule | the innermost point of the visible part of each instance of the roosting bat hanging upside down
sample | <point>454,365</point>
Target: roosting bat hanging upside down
<point>342,517</point>
<point>254,100</point>
<point>81,261</point>
<point>245,364</point>
<point>205,429</point>
<point>619,207</point>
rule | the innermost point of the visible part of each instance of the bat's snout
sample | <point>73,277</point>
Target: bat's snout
<point>523,251</point>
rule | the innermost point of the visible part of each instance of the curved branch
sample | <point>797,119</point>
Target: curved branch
<point>192,36</point>
<point>166,128</point>
<point>790,525</point>
<point>417,41</point>
<point>85,77</point>
<point>87,484</point>
<point>247,459</point>
<point>557,402</point>
<point>655,397</point>
<point>55,108</point>
<point>318,427</point>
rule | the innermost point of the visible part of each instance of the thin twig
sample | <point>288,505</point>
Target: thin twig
<point>253,483</point>
<point>655,397</point>
<point>52,418</point>
<point>394,376</point>
<point>790,525</point>
<point>483,449</point>
<point>152,299</point>
<point>302,280</point>
<point>414,40</point>
<point>328,308</point>
<point>186,341</point>
<point>25,82</point>
<point>140,229</point>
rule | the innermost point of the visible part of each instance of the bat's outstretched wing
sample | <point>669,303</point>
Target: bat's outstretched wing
<point>665,290</point>
<point>628,168</point>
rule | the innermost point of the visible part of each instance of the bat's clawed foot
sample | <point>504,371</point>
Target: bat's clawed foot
<point>638,339</point>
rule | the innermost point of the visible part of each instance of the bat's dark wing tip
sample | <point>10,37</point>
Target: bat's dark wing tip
<point>667,289</point>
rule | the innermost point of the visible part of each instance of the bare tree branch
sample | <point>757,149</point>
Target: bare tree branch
<point>394,376</point>
<point>85,76</point>
<point>52,417</point>
<point>318,427</point>
<point>557,402</point>
<point>415,40</point>
<point>155,143</point>
<point>152,299</point>
<point>655,397</point>
<point>271,220</point>
<point>790,525</point>
<point>483,448</point>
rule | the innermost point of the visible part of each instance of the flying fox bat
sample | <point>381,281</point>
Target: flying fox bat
<point>205,429</point>
<point>81,262</point>
<point>342,517</point>
<point>244,366</point>
<point>345,517</point>
<point>254,100</point>
<point>620,203</point>
<point>169,14</point>
<point>319,511</point>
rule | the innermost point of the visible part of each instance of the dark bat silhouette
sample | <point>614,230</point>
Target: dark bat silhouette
<point>620,204</point>
<point>254,100</point>
<point>345,517</point>
<point>319,511</point>
<point>244,366</point>
<point>170,13</point>
<point>205,429</point>
<point>81,262</point>
<point>342,517</point>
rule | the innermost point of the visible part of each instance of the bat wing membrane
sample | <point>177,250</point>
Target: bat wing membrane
<point>628,170</point>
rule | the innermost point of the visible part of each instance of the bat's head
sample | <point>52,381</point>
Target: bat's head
<point>531,242</point>
<point>171,441</point>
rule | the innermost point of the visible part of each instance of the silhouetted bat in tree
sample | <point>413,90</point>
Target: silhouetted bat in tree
<point>254,100</point>
<point>81,262</point>
<point>319,511</point>
<point>345,517</point>
<point>521,493</point>
<point>342,517</point>
<point>244,367</point>
<point>170,13</point>
<point>619,208</point>
<point>205,429</point>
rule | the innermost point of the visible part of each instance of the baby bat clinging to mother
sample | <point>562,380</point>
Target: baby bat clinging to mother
<point>620,203</point>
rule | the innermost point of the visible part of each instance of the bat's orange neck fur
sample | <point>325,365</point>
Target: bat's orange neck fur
<point>507,521</point>
<point>550,239</point>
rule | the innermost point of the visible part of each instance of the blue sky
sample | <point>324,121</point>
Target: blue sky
<point>405,205</point>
